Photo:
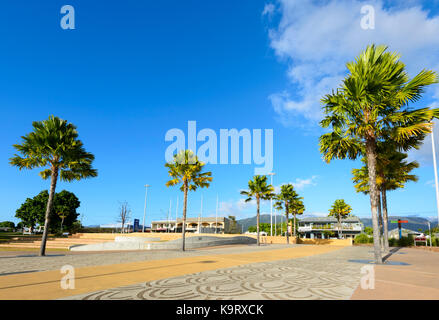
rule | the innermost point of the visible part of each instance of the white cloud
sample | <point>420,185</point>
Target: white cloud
<point>269,9</point>
<point>314,214</point>
<point>235,208</point>
<point>299,184</point>
<point>316,41</point>
<point>431,183</point>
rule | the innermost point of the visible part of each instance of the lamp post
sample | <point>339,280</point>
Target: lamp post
<point>144,209</point>
<point>435,169</point>
<point>271,206</point>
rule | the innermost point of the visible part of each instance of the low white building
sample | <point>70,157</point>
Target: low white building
<point>198,225</point>
<point>327,227</point>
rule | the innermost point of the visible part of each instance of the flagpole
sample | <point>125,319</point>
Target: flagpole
<point>199,216</point>
<point>176,216</point>
<point>435,170</point>
<point>169,214</point>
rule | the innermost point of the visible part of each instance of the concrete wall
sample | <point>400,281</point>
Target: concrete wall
<point>163,236</point>
<point>332,242</point>
<point>191,242</point>
<point>276,240</point>
<point>174,236</point>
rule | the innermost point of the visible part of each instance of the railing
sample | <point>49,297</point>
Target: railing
<point>329,228</point>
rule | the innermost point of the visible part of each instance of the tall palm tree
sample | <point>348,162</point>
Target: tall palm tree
<point>54,144</point>
<point>371,105</point>
<point>258,189</point>
<point>393,172</point>
<point>186,169</point>
<point>339,210</point>
<point>289,200</point>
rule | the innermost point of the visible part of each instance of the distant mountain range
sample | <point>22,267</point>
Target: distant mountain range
<point>263,218</point>
<point>414,223</point>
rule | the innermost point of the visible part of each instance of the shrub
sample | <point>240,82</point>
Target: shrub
<point>362,238</point>
<point>393,242</point>
<point>405,241</point>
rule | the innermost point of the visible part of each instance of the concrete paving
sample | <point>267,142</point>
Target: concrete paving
<point>232,272</point>
<point>47,284</point>
<point>418,279</point>
<point>328,276</point>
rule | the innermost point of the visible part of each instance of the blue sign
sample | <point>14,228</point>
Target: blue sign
<point>136,225</point>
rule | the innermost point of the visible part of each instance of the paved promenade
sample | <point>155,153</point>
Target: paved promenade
<point>232,272</point>
<point>417,278</point>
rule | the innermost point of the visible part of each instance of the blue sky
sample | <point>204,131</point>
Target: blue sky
<point>132,70</point>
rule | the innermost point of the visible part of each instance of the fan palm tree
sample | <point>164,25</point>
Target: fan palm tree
<point>289,200</point>
<point>54,144</point>
<point>393,172</point>
<point>371,105</point>
<point>186,169</point>
<point>258,189</point>
<point>339,210</point>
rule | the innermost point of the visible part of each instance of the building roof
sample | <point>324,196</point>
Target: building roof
<point>329,220</point>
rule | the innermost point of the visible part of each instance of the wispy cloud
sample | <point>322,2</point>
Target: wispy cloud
<point>299,184</point>
<point>269,9</point>
<point>316,39</point>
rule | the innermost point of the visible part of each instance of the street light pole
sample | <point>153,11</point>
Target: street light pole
<point>271,206</point>
<point>144,209</point>
<point>435,169</point>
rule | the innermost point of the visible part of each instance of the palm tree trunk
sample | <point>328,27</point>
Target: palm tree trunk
<point>62,222</point>
<point>385,221</point>
<point>294,215</point>
<point>257,221</point>
<point>183,228</point>
<point>53,180</point>
<point>340,233</point>
<point>371,165</point>
<point>380,221</point>
<point>286,214</point>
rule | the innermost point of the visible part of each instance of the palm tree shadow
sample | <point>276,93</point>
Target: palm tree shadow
<point>391,252</point>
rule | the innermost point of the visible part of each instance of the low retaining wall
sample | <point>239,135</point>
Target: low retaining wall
<point>276,240</point>
<point>174,236</point>
<point>140,244</point>
<point>331,242</point>
<point>163,236</point>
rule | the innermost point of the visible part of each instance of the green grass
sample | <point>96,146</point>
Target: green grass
<point>30,249</point>
<point>7,236</point>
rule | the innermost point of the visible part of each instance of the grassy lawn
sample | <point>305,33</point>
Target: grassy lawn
<point>32,249</point>
<point>7,236</point>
